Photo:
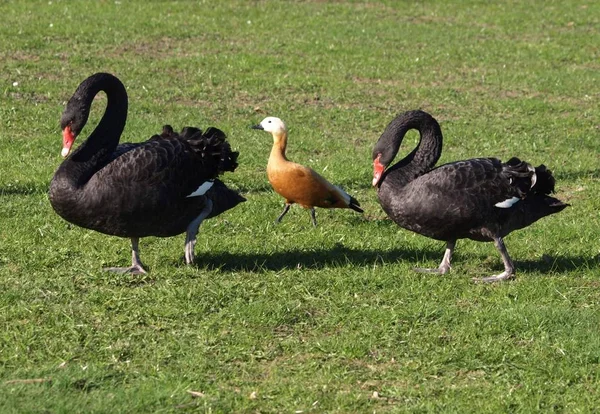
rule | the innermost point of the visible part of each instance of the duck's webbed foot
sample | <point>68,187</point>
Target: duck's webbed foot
<point>444,266</point>
<point>136,268</point>
<point>509,268</point>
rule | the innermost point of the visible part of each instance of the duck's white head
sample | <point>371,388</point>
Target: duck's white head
<point>273,125</point>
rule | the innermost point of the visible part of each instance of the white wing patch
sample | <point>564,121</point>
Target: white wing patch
<point>202,189</point>
<point>507,203</point>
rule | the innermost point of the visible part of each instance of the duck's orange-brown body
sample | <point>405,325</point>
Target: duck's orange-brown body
<point>299,184</point>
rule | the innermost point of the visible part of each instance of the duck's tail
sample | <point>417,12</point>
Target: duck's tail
<point>354,205</point>
<point>346,200</point>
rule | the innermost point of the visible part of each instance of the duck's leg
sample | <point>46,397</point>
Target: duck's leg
<point>192,231</point>
<point>509,268</point>
<point>313,216</point>
<point>284,212</point>
<point>137,268</point>
<point>445,264</point>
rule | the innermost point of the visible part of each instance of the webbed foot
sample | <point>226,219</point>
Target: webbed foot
<point>495,278</point>
<point>133,270</point>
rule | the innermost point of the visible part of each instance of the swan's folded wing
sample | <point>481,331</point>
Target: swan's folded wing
<point>120,150</point>
<point>476,183</point>
<point>161,168</point>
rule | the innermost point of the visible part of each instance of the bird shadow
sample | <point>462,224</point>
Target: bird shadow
<point>559,264</point>
<point>337,256</point>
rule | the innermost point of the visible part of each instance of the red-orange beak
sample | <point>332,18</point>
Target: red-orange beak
<point>68,139</point>
<point>378,169</point>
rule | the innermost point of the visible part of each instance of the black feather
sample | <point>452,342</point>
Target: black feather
<point>462,199</point>
<point>138,189</point>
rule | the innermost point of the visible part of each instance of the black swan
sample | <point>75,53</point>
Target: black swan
<point>481,199</point>
<point>161,187</point>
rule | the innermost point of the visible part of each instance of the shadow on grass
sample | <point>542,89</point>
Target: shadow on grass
<point>559,264</point>
<point>340,256</point>
<point>337,256</point>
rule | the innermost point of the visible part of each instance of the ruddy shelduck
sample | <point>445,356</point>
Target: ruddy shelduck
<point>299,184</point>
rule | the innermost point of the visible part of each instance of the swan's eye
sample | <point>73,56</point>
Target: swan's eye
<point>269,122</point>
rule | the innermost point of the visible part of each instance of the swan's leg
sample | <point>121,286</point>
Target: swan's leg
<point>445,264</point>
<point>313,216</point>
<point>284,212</point>
<point>509,268</point>
<point>192,231</point>
<point>137,268</point>
<point>136,264</point>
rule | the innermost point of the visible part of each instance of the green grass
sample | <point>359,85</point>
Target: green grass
<point>289,318</point>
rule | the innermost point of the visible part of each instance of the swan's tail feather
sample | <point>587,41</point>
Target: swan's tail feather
<point>530,210</point>
<point>167,131</point>
<point>217,146</point>
<point>190,132</point>
<point>223,198</point>
<point>545,181</point>
<point>542,189</point>
<point>534,186</point>
<point>529,180</point>
<point>521,175</point>
<point>212,143</point>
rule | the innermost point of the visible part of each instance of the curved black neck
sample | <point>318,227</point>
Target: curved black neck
<point>422,158</point>
<point>101,143</point>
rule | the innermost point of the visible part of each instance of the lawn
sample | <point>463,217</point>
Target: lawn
<point>291,318</point>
